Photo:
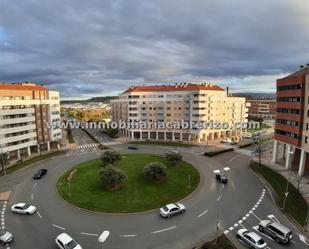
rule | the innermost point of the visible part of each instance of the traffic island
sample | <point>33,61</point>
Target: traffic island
<point>137,193</point>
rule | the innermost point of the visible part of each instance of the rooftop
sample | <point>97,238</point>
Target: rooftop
<point>300,72</point>
<point>176,87</point>
<point>21,86</point>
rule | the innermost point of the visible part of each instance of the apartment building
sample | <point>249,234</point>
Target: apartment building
<point>262,108</point>
<point>190,103</point>
<point>25,111</point>
<point>292,120</point>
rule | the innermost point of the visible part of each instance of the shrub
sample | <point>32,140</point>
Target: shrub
<point>110,157</point>
<point>155,171</point>
<point>112,177</point>
<point>174,158</point>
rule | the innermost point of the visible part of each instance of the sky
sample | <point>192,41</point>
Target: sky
<point>101,47</point>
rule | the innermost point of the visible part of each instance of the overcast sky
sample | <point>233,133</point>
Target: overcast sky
<point>100,47</point>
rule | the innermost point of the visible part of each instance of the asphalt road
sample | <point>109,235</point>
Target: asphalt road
<point>244,202</point>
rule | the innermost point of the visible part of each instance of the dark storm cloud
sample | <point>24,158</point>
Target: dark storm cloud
<point>85,48</point>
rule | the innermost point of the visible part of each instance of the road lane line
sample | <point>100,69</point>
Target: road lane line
<point>256,216</point>
<point>90,234</point>
<point>128,235</point>
<point>164,230</point>
<point>62,228</point>
<point>200,215</point>
<point>233,158</point>
<point>38,213</point>
<point>35,185</point>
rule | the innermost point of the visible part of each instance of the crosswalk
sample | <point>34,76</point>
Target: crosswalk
<point>86,146</point>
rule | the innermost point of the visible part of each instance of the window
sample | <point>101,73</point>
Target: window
<point>306,139</point>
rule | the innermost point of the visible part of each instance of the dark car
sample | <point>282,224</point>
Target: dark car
<point>221,178</point>
<point>132,147</point>
<point>39,174</point>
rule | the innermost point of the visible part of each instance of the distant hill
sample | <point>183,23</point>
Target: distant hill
<point>104,100</point>
<point>256,95</point>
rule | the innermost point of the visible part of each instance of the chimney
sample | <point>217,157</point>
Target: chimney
<point>301,66</point>
<point>307,65</point>
<point>227,91</point>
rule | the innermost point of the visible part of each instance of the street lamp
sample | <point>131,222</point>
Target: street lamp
<point>103,237</point>
<point>217,171</point>
<point>288,183</point>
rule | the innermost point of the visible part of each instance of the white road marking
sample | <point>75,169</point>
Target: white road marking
<point>303,239</point>
<point>200,215</point>
<point>256,216</point>
<point>35,185</point>
<point>90,234</point>
<point>128,235</point>
<point>38,213</point>
<point>273,218</point>
<point>62,228</point>
<point>32,197</point>
<point>164,230</point>
<point>233,158</point>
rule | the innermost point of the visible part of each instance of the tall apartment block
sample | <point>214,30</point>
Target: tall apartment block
<point>176,103</point>
<point>292,120</point>
<point>262,108</point>
<point>25,111</point>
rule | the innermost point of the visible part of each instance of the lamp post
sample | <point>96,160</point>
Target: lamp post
<point>219,200</point>
<point>288,183</point>
<point>103,237</point>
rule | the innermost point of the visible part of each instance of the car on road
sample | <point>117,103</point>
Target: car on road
<point>171,152</point>
<point>64,241</point>
<point>23,208</point>
<point>251,239</point>
<point>276,231</point>
<point>39,174</point>
<point>221,177</point>
<point>133,147</point>
<point>5,237</point>
<point>172,209</point>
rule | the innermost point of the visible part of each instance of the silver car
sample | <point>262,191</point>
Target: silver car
<point>275,230</point>
<point>251,239</point>
<point>172,209</point>
<point>5,237</point>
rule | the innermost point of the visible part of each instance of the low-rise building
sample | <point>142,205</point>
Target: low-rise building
<point>27,111</point>
<point>262,108</point>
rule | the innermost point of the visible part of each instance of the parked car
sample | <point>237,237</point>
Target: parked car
<point>39,174</point>
<point>251,239</point>
<point>64,241</point>
<point>221,177</point>
<point>172,209</point>
<point>5,237</point>
<point>275,230</point>
<point>228,141</point>
<point>133,147</point>
<point>23,208</point>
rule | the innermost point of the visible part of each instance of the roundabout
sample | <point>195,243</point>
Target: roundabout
<point>243,202</point>
<point>136,194</point>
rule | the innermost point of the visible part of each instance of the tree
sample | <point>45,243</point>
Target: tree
<point>112,177</point>
<point>155,171</point>
<point>4,159</point>
<point>174,158</point>
<point>110,157</point>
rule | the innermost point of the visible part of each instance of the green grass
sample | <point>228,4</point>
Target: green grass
<point>296,205</point>
<point>223,243</point>
<point>136,194</point>
<point>177,144</point>
<point>30,161</point>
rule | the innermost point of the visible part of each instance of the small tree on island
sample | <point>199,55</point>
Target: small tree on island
<point>155,171</point>
<point>110,157</point>
<point>112,177</point>
<point>174,158</point>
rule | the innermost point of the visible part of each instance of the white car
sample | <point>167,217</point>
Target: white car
<point>64,241</point>
<point>251,239</point>
<point>23,208</point>
<point>172,209</point>
<point>5,237</point>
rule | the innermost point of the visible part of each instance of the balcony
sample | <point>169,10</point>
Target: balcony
<point>18,129</point>
<point>18,138</point>
<point>17,120</point>
<point>16,111</point>
<point>288,140</point>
